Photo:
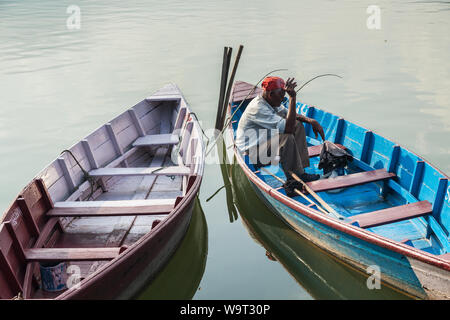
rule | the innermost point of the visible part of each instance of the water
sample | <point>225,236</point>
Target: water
<point>57,85</point>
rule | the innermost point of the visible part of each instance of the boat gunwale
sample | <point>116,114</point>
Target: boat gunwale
<point>351,230</point>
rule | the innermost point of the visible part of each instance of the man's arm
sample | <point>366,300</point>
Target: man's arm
<point>291,114</point>
<point>317,128</point>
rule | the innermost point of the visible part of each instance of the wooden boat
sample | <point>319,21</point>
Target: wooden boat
<point>318,273</point>
<point>111,210</point>
<point>392,208</point>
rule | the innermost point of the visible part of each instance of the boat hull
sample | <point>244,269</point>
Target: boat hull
<point>404,273</point>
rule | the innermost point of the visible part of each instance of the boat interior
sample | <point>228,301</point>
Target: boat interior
<point>386,189</point>
<point>102,195</point>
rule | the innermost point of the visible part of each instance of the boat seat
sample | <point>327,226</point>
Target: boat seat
<point>350,180</point>
<point>71,254</point>
<point>170,171</point>
<point>390,215</point>
<point>156,139</point>
<point>112,208</point>
<point>314,151</point>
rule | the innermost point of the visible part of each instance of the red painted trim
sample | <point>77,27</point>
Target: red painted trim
<point>340,226</point>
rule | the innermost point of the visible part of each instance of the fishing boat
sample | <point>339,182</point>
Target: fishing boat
<point>107,214</point>
<point>388,216</point>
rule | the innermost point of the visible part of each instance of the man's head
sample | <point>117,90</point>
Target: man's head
<point>273,90</point>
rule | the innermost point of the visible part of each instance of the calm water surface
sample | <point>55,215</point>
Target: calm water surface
<point>57,85</point>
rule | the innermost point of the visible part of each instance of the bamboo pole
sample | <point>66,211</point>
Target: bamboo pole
<point>230,86</point>
<point>316,196</point>
<point>296,191</point>
<point>223,83</point>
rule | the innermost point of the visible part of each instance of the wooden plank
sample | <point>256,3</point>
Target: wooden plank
<point>8,272</point>
<point>172,170</point>
<point>390,215</point>
<point>112,208</point>
<point>113,138</point>
<point>417,178</point>
<point>350,180</point>
<point>314,151</point>
<point>27,216</point>
<point>156,139</point>
<point>71,254</point>
<point>67,173</point>
<point>136,122</point>
<point>89,153</point>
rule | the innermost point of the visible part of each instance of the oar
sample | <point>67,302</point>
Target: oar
<point>296,191</point>
<point>316,196</point>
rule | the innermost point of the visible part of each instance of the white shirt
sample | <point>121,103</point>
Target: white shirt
<point>257,122</point>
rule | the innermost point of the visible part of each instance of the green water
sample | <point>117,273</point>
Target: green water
<point>57,85</point>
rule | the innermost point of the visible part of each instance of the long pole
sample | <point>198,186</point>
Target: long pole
<point>296,191</point>
<point>316,196</point>
<point>230,85</point>
<point>223,83</point>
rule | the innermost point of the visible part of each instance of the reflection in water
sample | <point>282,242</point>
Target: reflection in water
<point>316,271</point>
<point>181,277</point>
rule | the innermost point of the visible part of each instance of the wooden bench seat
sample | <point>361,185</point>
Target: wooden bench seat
<point>350,180</point>
<point>71,254</point>
<point>112,208</point>
<point>390,215</point>
<point>170,171</point>
<point>156,139</point>
<point>314,151</point>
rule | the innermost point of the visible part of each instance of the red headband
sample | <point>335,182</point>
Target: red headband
<point>272,83</point>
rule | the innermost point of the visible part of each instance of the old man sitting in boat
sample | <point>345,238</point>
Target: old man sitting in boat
<point>267,129</point>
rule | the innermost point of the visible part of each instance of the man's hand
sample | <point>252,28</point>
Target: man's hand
<point>289,87</point>
<point>317,128</point>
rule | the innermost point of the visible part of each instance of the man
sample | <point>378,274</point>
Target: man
<point>265,124</point>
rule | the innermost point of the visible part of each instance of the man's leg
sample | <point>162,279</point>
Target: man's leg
<point>294,154</point>
<point>300,141</point>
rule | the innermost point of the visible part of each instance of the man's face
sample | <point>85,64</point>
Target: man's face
<point>277,96</point>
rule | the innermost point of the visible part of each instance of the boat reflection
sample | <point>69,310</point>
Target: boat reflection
<point>181,283</point>
<point>321,275</point>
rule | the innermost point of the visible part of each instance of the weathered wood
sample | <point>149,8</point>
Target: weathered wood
<point>172,170</point>
<point>314,151</point>
<point>156,139</point>
<point>136,122</point>
<point>89,153</point>
<point>9,274</point>
<point>112,208</point>
<point>350,180</point>
<point>67,173</point>
<point>390,215</point>
<point>28,218</point>
<point>71,254</point>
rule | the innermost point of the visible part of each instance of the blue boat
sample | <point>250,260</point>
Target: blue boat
<point>388,216</point>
